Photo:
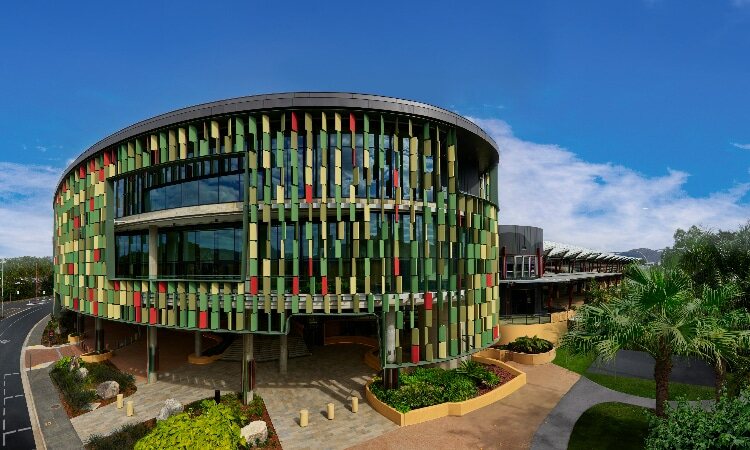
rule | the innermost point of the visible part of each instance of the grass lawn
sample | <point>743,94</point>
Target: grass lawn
<point>628,385</point>
<point>647,388</point>
<point>611,426</point>
<point>575,363</point>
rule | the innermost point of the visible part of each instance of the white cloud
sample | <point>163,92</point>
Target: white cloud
<point>742,146</point>
<point>26,209</point>
<point>603,206</point>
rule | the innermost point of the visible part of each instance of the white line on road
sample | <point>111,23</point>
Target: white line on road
<point>5,433</point>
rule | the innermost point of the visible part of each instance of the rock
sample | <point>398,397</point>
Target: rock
<point>108,389</point>
<point>171,407</point>
<point>255,432</point>
<point>82,373</point>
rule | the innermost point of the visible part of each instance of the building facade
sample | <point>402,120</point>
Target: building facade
<point>255,214</point>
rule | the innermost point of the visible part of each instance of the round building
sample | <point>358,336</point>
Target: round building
<point>322,215</point>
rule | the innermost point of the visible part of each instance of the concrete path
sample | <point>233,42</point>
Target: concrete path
<point>507,424</point>
<point>147,401</point>
<point>555,431</point>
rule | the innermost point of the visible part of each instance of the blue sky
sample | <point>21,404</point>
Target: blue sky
<point>655,93</point>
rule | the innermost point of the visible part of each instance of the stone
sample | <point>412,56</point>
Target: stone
<point>82,373</point>
<point>107,389</point>
<point>255,432</point>
<point>171,407</point>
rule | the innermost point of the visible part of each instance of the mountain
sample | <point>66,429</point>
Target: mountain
<point>652,256</point>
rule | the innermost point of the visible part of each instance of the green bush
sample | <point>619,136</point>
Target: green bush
<point>218,426</point>
<point>123,438</point>
<point>101,372</point>
<point>479,373</point>
<point>533,345</point>
<point>726,425</point>
<point>426,387</point>
<point>73,390</point>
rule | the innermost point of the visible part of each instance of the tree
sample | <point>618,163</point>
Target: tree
<point>656,312</point>
<point>26,270</point>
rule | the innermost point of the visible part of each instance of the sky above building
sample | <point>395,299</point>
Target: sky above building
<point>618,122</point>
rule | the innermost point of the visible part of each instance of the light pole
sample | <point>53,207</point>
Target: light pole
<point>2,288</point>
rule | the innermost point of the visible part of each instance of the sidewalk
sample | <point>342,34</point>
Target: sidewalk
<point>56,429</point>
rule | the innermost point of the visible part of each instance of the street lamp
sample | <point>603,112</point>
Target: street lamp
<point>2,288</point>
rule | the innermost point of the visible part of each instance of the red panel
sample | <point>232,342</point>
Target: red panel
<point>137,299</point>
<point>309,266</point>
<point>415,353</point>
<point>395,177</point>
<point>106,159</point>
<point>294,121</point>
<point>324,285</point>
<point>82,171</point>
<point>203,319</point>
<point>152,316</point>
<point>95,308</point>
<point>396,212</point>
<point>91,204</point>
<point>162,287</point>
<point>91,295</point>
<point>295,285</point>
<point>71,269</point>
<point>496,332</point>
<point>75,304</point>
<point>352,123</point>
<point>101,174</point>
<point>117,285</point>
<point>97,254</point>
<point>308,193</point>
<point>254,285</point>
<point>138,315</point>
<point>396,266</point>
<point>489,280</point>
<point>76,222</point>
<point>428,300</point>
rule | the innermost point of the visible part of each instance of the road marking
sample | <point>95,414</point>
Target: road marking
<point>5,433</point>
<point>4,341</point>
<point>31,311</point>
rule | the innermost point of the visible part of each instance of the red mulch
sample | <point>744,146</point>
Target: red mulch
<point>503,374</point>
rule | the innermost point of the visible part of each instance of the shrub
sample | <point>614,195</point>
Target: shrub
<point>73,390</point>
<point>123,438</point>
<point>101,372</point>
<point>533,345</point>
<point>725,425</point>
<point>218,426</point>
<point>478,373</point>
<point>426,387</point>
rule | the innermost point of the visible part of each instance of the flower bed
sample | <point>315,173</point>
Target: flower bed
<point>448,384</point>
<point>76,393</point>
<point>205,424</point>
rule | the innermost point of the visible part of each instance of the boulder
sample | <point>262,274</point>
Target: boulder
<point>82,373</point>
<point>171,407</point>
<point>255,432</point>
<point>108,389</point>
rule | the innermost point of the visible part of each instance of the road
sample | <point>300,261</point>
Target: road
<point>20,317</point>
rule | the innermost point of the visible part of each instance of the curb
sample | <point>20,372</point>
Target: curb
<point>39,441</point>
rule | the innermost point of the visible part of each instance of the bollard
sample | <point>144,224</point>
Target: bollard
<point>303,417</point>
<point>129,411</point>
<point>330,411</point>
<point>355,404</point>
<point>119,401</point>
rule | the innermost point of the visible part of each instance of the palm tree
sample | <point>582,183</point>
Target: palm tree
<point>654,312</point>
<point>720,306</point>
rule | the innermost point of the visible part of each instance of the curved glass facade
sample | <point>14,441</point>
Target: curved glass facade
<point>292,211</point>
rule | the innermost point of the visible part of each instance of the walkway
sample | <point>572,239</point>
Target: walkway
<point>508,424</point>
<point>555,431</point>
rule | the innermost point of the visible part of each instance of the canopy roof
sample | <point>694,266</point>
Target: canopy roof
<point>568,251</point>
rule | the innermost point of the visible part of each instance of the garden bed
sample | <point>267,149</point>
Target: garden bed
<point>56,331</point>
<point>202,424</point>
<point>427,394</point>
<point>76,394</point>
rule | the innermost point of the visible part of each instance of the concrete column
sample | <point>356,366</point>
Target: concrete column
<point>152,366</point>
<point>248,368</point>
<point>283,353</point>
<point>198,343</point>
<point>390,376</point>
<point>153,252</point>
<point>99,335</point>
